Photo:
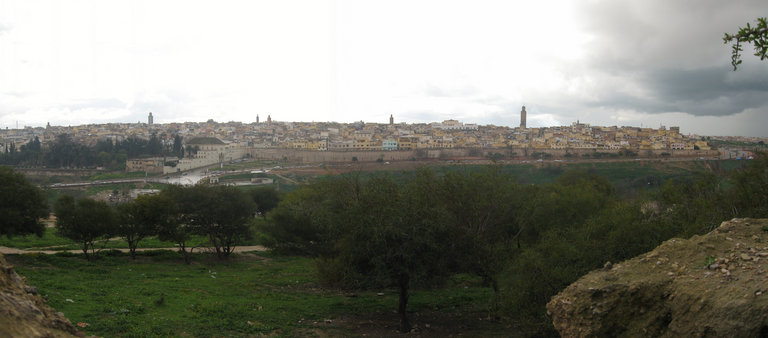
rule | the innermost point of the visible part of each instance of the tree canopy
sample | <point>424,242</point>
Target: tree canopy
<point>220,213</point>
<point>22,205</point>
<point>84,221</point>
<point>143,217</point>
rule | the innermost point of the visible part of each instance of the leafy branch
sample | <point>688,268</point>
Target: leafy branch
<point>756,35</point>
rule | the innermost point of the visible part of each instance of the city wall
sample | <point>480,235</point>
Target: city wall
<point>309,156</point>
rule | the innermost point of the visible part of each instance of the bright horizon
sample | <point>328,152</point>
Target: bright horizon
<point>606,63</point>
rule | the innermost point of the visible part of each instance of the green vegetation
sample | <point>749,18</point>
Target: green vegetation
<point>84,221</point>
<point>64,152</point>
<point>53,241</point>
<point>21,205</point>
<point>251,295</point>
<point>756,35</point>
<point>418,236</point>
<point>221,213</point>
<point>527,242</point>
<point>50,238</point>
<point>119,175</point>
<point>142,217</point>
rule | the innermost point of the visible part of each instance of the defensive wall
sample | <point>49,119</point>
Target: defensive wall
<point>310,156</point>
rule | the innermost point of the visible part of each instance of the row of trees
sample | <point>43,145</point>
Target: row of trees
<point>526,241</point>
<point>64,152</point>
<point>223,215</point>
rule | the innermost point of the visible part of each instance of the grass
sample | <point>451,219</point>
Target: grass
<point>245,296</point>
<point>119,175</point>
<point>52,241</point>
<point>50,238</point>
<point>237,177</point>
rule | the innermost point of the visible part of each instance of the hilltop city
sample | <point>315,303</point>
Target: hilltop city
<point>214,141</point>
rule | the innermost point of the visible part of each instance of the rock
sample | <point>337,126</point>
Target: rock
<point>642,299</point>
<point>23,312</point>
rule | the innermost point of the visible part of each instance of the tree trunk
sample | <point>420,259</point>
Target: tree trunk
<point>216,245</point>
<point>494,315</point>
<point>85,251</point>
<point>403,284</point>
<point>184,253</point>
<point>132,248</point>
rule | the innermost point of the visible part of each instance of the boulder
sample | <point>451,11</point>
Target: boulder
<point>23,312</point>
<point>714,285</point>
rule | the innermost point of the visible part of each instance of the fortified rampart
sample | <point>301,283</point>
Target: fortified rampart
<point>310,156</point>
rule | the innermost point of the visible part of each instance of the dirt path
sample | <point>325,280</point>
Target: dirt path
<point>285,178</point>
<point>14,251</point>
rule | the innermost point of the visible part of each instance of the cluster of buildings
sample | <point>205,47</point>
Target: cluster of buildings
<point>371,136</point>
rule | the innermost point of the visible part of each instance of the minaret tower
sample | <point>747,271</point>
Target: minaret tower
<point>150,119</point>
<point>391,120</point>
<point>257,118</point>
<point>522,118</point>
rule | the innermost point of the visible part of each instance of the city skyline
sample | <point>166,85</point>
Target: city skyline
<point>391,120</point>
<point>620,63</point>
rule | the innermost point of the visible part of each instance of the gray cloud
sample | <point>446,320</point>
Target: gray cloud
<point>702,92</point>
<point>97,104</point>
<point>666,34</point>
<point>668,56</point>
<point>445,91</point>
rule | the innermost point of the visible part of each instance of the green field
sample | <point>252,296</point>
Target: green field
<point>49,239</point>
<point>248,295</point>
<point>53,242</point>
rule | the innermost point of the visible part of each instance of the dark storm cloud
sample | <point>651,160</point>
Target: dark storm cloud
<point>713,91</point>
<point>668,56</point>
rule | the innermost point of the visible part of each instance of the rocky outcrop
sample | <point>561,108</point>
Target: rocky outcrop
<point>23,312</point>
<point>715,285</point>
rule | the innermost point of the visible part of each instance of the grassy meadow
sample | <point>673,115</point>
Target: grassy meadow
<point>250,294</point>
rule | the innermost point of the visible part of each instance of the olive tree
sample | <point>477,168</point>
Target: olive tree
<point>266,199</point>
<point>222,214</point>
<point>143,217</point>
<point>388,235</point>
<point>484,205</point>
<point>84,221</point>
<point>22,205</point>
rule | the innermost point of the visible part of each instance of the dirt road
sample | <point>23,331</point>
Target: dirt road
<point>14,251</point>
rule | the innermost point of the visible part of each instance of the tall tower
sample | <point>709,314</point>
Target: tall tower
<point>150,119</point>
<point>269,119</point>
<point>522,118</point>
<point>257,118</point>
<point>391,120</point>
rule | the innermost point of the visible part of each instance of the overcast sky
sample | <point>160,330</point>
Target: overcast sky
<point>637,63</point>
